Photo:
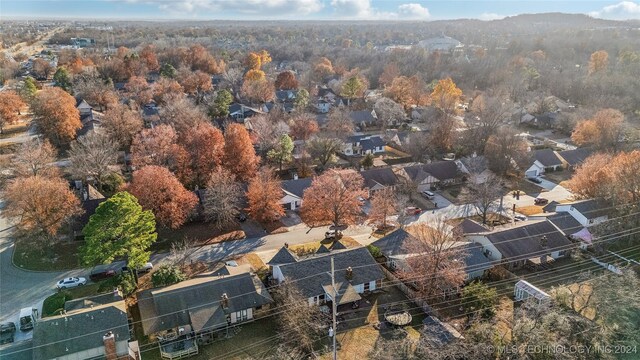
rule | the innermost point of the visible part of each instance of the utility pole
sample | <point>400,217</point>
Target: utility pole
<point>334,306</point>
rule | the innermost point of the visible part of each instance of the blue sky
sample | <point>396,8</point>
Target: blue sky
<point>309,9</point>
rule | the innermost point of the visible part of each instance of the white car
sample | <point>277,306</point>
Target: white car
<point>71,282</point>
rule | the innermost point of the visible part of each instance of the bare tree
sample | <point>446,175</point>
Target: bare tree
<point>339,123</point>
<point>301,323</point>
<point>91,156</point>
<point>35,157</point>
<point>438,269</point>
<point>324,150</point>
<point>221,203</point>
<point>482,193</point>
<point>388,112</point>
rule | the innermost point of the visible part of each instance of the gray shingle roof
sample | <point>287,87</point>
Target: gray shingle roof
<point>523,242</point>
<point>475,259</point>
<point>566,223</point>
<point>468,226</point>
<point>283,256</point>
<point>59,336</point>
<point>91,301</point>
<point>382,176</point>
<point>577,156</point>
<point>591,208</point>
<point>441,170</point>
<point>296,187</point>
<point>547,157</point>
<point>337,245</point>
<point>315,271</point>
<point>362,116</point>
<point>397,243</point>
<point>172,306</point>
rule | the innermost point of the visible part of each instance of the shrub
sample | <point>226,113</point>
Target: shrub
<point>54,304</point>
<point>375,251</point>
<point>126,282</point>
<point>167,275</point>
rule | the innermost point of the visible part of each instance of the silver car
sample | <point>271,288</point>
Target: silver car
<point>71,282</point>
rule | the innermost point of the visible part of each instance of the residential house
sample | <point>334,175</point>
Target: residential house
<point>293,190</point>
<point>89,122</point>
<point>400,245</point>
<point>535,242</point>
<point>356,272</point>
<point>544,160</point>
<point>574,158</point>
<point>427,176</point>
<point>378,179</point>
<point>360,145</point>
<point>178,314</point>
<point>586,212</point>
<point>468,226</point>
<point>475,167</point>
<point>90,328</point>
<point>363,118</point>
<point>240,111</point>
<point>91,199</point>
<point>327,99</point>
<point>284,256</point>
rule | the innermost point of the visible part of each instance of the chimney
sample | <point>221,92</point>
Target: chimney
<point>109,341</point>
<point>295,176</point>
<point>543,241</point>
<point>224,301</point>
<point>349,274</point>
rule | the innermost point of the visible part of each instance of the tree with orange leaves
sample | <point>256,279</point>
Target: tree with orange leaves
<point>139,90</point>
<point>253,61</point>
<point>10,105</point>
<point>264,194</point>
<point>56,116</point>
<point>258,91</point>
<point>166,87</point>
<point>333,198</point>
<point>603,130</point>
<point>265,57</point>
<point>239,156</point>
<point>323,67</point>
<point>598,62</point>
<point>303,126</point>
<point>205,146</point>
<point>286,80</point>
<point>408,92</point>
<point>158,190</point>
<point>158,146</point>
<point>195,83</point>
<point>383,205</point>
<point>446,96</point>
<point>148,56</point>
<point>199,58</point>
<point>390,73</point>
<point>254,75</point>
<point>40,205</point>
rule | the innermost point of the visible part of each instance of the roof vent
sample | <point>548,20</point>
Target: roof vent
<point>543,241</point>
<point>349,274</point>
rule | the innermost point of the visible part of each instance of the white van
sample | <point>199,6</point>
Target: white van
<point>27,318</point>
<point>428,194</point>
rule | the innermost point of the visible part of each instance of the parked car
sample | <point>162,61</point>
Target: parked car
<point>535,180</point>
<point>428,194</point>
<point>71,282</point>
<point>27,318</point>
<point>332,234</point>
<point>540,201</point>
<point>413,210</point>
<point>7,332</point>
<point>102,274</point>
<point>143,269</point>
<point>519,217</point>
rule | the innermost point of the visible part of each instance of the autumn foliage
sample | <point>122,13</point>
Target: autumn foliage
<point>286,80</point>
<point>122,123</point>
<point>383,205</point>
<point>446,96</point>
<point>333,198</point>
<point>239,156</point>
<point>41,205</point>
<point>10,105</point>
<point>598,62</point>
<point>158,190</point>
<point>157,146</point>
<point>264,194</point>
<point>602,130</point>
<point>205,146</point>
<point>56,115</point>
<point>408,91</point>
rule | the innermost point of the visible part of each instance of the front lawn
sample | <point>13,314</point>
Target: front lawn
<point>313,246</point>
<point>530,210</point>
<point>61,256</point>
<point>54,304</point>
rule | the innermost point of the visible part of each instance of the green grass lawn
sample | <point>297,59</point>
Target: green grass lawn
<point>54,304</point>
<point>61,256</point>
<point>198,232</point>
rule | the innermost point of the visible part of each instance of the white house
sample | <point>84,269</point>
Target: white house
<point>586,212</point>
<point>363,145</point>
<point>544,160</point>
<point>356,272</point>
<point>292,191</point>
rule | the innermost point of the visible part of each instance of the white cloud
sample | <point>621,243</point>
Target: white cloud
<point>362,10</point>
<point>251,7</point>
<point>490,16</point>
<point>620,11</point>
<point>413,11</point>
